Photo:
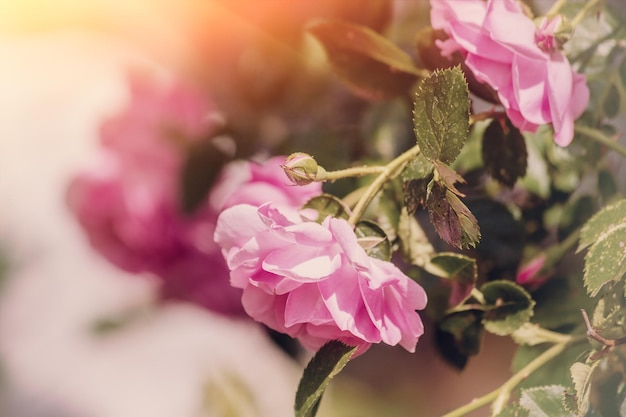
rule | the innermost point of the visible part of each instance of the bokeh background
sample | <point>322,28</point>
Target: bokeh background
<point>63,67</point>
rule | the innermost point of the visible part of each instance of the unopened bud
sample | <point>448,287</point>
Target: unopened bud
<point>552,33</point>
<point>302,169</point>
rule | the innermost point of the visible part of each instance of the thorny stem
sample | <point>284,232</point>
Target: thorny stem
<point>601,138</point>
<point>592,333</point>
<point>500,395</point>
<point>389,171</point>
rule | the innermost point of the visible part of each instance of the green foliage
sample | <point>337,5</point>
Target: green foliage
<point>581,377</point>
<point>504,152</point>
<point>544,401</point>
<point>459,336</point>
<point>370,64</point>
<point>414,243</point>
<point>417,176</point>
<point>441,115</point>
<point>441,122</point>
<point>460,269</point>
<point>509,307</point>
<point>327,362</point>
<point>203,163</point>
<point>327,205</point>
<point>373,239</point>
<point>452,220</point>
<point>605,233</point>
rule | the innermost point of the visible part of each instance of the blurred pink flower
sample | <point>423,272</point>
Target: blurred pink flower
<point>314,282</point>
<point>503,48</point>
<point>128,203</point>
<point>530,274</point>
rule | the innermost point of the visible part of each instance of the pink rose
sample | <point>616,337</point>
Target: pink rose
<point>314,282</point>
<point>127,202</point>
<point>503,48</point>
<point>532,273</point>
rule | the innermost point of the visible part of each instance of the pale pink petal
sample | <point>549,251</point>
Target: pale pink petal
<point>305,305</point>
<point>303,264</point>
<point>237,225</point>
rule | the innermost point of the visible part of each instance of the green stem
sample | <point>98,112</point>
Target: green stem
<point>556,8</point>
<point>600,138</point>
<point>500,395</point>
<point>351,172</point>
<point>388,172</point>
<point>582,12</point>
<point>551,336</point>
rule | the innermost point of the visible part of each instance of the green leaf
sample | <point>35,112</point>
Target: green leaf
<point>460,269</point>
<point>581,377</point>
<point>556,371</point>
<point>606,259</point>
<point>373,239</point>
<point>371,65</point>
<point>416,247</point>
<point>513,410</point>
<point>504,152</point>
<point>611,103</point>
<point>544,401</point>
<point>416,177</point>
<point>452,220</point>
<point>459,335</point>
<point>327,205</point>
<point>611,217</point>
<point>203,164</point>
<point>537,178</point>
<point>448,177</point>
<point>441,115</point>
<point>327,362</point>
<point>509,307</point>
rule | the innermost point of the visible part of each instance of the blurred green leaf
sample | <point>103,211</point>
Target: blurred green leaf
<point>554,372</point>
<point>441,115</point>
<point>415,245</point>
<point>373,239</point>
<point>546,401</point>
<point>202,166</point>
<point>458,268</point>
<point>509,307</point>
<point>459,335</point>
<point>327,205</point>
<point>537,178</point>
<point>371,65</point>
<point>504,152</point>
<point>326,364</point>
<point>581,377</point>
<point>611,105</point>
<point>513,410</point>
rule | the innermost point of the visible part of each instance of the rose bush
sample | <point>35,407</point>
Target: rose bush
<point>502,47</point>
<point>128,201</point>
<point>314,282</point>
